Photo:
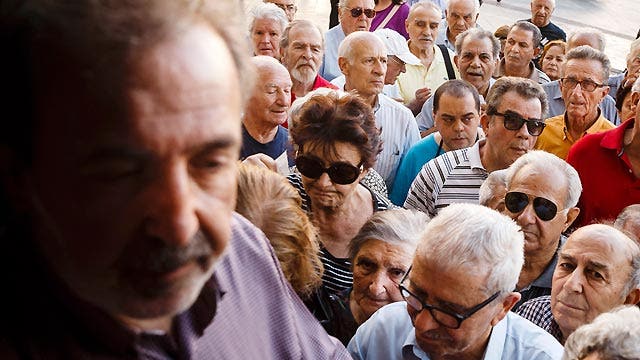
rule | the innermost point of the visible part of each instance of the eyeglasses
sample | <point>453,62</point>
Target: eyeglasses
<point>586,85</point>
<point>446,318</point>
<point>513,121</point>
<point>341,173</point>
<point>516,201</point>
<point>356,12</point>
<point>286,8</point>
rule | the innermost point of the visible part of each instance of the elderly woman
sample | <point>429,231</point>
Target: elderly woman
<point>266,25</point>
<point>553,58</point>
<point>337,143</point>
<point>382,253</point>
<point>268,200</point>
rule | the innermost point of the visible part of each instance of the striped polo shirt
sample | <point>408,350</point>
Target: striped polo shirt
<point>453,177</point>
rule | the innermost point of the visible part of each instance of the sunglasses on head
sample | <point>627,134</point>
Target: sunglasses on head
<point>513,121</point>
<point>340,172</point>
<point>356,12</point>
<point>516,201</point>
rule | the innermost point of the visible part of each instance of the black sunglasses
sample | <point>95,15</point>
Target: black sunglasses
<point>340,172</point>
<point>513,121</point>
<point>446,318</point>
<point>356,12</point>
<point>516,201</point>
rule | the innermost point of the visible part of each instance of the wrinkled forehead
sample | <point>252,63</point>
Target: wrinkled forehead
<point>520,34</point>
<point>369,47</point>
<point>601,246</point>
<point>424,13</point>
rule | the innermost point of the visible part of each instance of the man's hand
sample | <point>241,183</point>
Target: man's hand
<point>421,96</point>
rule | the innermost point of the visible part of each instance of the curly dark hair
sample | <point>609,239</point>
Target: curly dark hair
<point>326,119</point>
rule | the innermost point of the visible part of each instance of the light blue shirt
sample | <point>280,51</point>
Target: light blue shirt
<point>557,107</point>
<point>442,38</point>
<point>419,154</point>
<point>332,39</point>
<point>389,334</point>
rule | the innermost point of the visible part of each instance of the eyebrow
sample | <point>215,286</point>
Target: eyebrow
<point>439,302</point>
<point>592,264</point>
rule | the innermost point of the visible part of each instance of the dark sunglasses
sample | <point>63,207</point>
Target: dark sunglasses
<point>516,202</point>
<point>513,121</point>
<point>356,12</point>
<point>341,173</point>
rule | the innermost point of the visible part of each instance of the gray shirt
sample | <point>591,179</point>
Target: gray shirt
<point>557,107</point>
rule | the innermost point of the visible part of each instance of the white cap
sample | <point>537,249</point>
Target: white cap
<point>396,45</point>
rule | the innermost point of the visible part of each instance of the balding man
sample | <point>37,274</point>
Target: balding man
<point>458,296</point>
<point>522,46</point>
<point>583,86</point>
<point>460,16</point>
<point>598,269</point>
<point>266,110</point>
<point>542,193</point>
<point>541,11</point>
<point>288,6</point>
<point>354,15</point>
<point>436,65</point>
<point>363,61</point>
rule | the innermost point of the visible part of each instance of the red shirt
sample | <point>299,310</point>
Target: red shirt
<point>608,182</point>
<point>320,82</point>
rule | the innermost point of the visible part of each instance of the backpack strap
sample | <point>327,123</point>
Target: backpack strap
<point>387,18</point>
<point>447,61</point>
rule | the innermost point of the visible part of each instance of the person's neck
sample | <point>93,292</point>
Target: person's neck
<point>517,71</point>
<point>382,4</point>
<point>451,37</point>
<point>260,132</point>
<point>534,265</point>
<point>484,90</point>
<point>356,310</point>
<point>489,160</point>
<point>147,325</point>
<point>372,100</point>
<point>301,89</point>
<point>421,53</point>
<point>577,126</point>
<point>474,352</point>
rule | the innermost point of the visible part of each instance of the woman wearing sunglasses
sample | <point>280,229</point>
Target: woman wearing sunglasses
<point>337,143</point>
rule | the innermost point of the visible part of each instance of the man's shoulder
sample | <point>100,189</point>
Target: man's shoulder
<point>396,107</point>
<point>525,340</point>
<point>382,336</point>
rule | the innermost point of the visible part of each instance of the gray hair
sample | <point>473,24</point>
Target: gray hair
<point>268,11</point>
<point>543,161</point>
<point>611,335</point>
<point>284,38</point>
<point>429,5</point>
<point>479,34</point>
<point>398,227</point>
<point>523,87</point>
<point>478,239</point>
<point>599,36</point>
<point>496,179</point>
<point>347,46</point>
<point>634,45</point>
<point>476,5</point>
<point>536,35</point>
<point>585,52</point>
<point>630,214</point>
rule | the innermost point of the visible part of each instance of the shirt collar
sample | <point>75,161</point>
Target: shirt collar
<point>497,339</point>
<point>614,139</point>
<point>474,155</point>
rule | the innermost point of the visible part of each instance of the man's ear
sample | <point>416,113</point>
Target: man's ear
<point>455,60</point>
<point>343,64</point>
<point>572,214</point>
<point>536,51</point>
<point>633,298</point>
<point>507,303</point>
<point>635,96</point>
<point>484,122</point>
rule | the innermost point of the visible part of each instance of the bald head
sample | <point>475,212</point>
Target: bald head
<point>362,58</point>
<point>353,44</point>
<point>586,36</point>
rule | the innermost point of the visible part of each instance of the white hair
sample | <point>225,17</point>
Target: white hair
<point>602,41</point>
<point>495,180</point>
<point>611,335</point>
<point>477,239</point>
<point>543,162</point>
<point>268,11</point>
<point>476,5</point>
<point>347,46</point>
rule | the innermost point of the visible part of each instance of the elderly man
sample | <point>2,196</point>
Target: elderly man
<point>598,269</point>
<point>493,189</point>
<point>354,15</point>
<point>609,168</point>
<point>512,123</point>
<point>541,11</point>
<point>542,193</point>
<point>583,86</point>
<point>265,28</point>
<point>629,76</point>
<point>123,242</point>
<point>302,48</point>
<point>417,84</point>
<point>363,60</point>
<point>595,39</point>
<point>457,114</point>
<point>458,297</point>
<point>522,46</point>
<point>476,59</point>
<point>460,16</point>
<point>266,110</point>
<point>288,6</point>
<point>628,221</point>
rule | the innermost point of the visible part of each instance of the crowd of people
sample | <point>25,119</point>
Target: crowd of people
<point>189,180</point>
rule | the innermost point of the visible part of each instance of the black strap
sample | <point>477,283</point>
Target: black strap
<point>447,61</point>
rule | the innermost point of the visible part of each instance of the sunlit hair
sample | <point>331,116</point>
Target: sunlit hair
<point>476,6</point>
<point>355,40</point>
<point>284,38</point>
<point>268,200</point>
<point>601,41</point>
<point>268,11</point>
<point>496,179</point>
<point>586,52</point>
<point>524,88</point>
<point>536,35</point>
<point>397,227</point>
<point>544,163</point>
<point>478,34</point>
<point>324,120</point>
<point>611,335</point>
<point>429,5</point>
<point>475,239</point>
<point>635,44</point>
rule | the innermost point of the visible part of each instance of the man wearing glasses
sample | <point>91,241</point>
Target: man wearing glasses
<point>583,86</point>
<point>354,15</point>
<point>458,297</point>
<point>542,193</point>
<point>512,123</point>
<point>288,6</point>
